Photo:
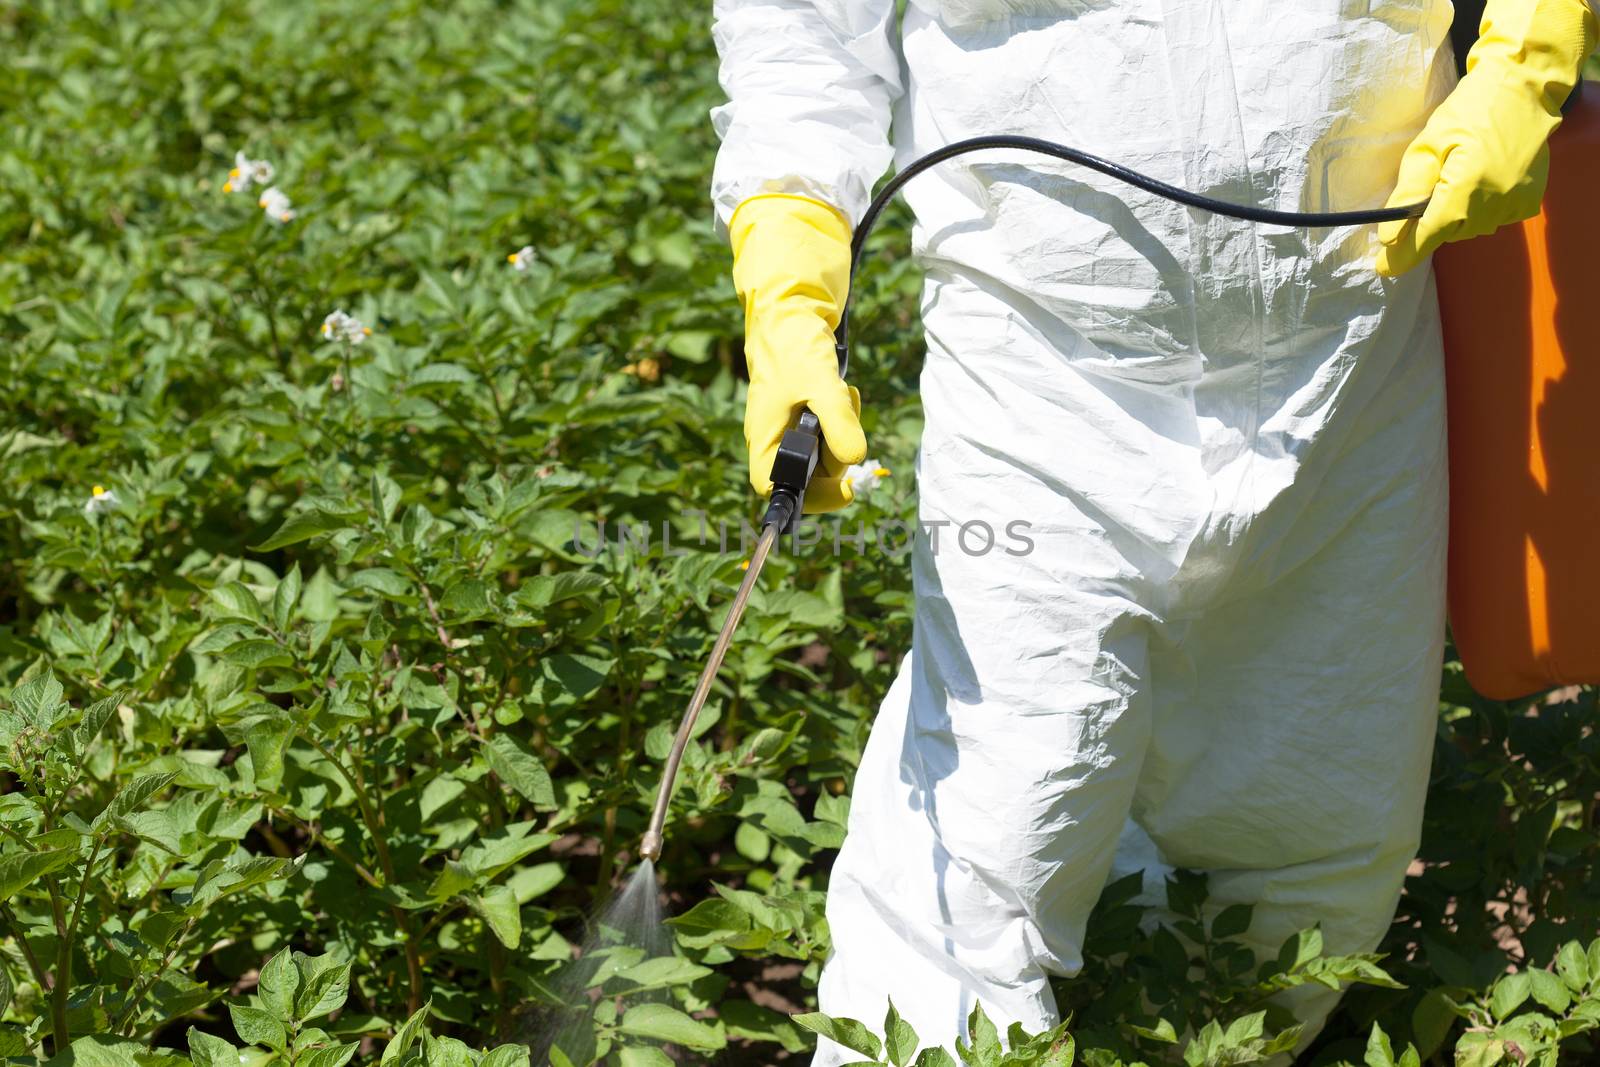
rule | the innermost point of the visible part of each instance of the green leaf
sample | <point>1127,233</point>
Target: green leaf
<point>208,1050</point>
<point>390,583</point>
<point>1549,991</point>
<point>385,493</point>
<point>236,601</point>
<point>500,910</point>
<point>520,771</point>
<point>305,525</point>
<point>578,676</point>
<point>984,1038</point>
<point>470,596</point>
<point>1479,1050</point>
<point>101,1050</point>
<point>851,1034</point>
<point>324,985</point>
<point>257,652</point>
<point>1232,921</point>
<point>710,921</point>
<point>535,880</point>
<point>267,737</point>
<point>19,870</point>
<point>220,879</point>
<point>94,720</point>
<point>406,1036</point>
<point>319,602</point>
<point>331,1056</point>
<point>506,1056</point>
<point>661,972</point>
<point>132,797</point>
<point>1162,1031</point>
<point>445,1051</point>
<point>1300,949</point>
<point>438,794</point>
<point>1432,1020</point>
<point>546,589</point>
<point>1204,1046</point>
<point>38,700</point>
<point>899,1038</point>
<point>1380,1053</point>
<point>1572,964</point>
<point>441,287</point>
<point>643,1056</point>
<point>1509,993</point>
<point>1245,1028</point>
<point>744,1019</point>
<point>1063,1050</point>
<point>257,1027</point>
<point>662,1022</point>
<point>496,851</point>
<point>277,984</point>
<point>935,1057</point>
<point>285,596</point>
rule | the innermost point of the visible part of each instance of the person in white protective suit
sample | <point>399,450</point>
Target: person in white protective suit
<point>1223,651</point>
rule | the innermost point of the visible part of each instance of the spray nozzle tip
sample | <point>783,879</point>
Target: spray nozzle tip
<point>650,846</point>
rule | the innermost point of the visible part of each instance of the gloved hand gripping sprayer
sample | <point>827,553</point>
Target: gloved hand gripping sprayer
<point>801,445</point>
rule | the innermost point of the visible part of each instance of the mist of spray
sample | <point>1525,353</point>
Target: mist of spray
<point>628,923</point>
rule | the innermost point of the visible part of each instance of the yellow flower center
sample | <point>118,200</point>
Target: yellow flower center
<point>99,490</point>
<point>881,472</point>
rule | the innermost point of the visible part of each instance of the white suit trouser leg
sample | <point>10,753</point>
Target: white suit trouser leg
<point>1276,735</point>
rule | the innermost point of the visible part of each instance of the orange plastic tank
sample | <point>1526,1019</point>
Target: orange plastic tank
<point>1521,311</point>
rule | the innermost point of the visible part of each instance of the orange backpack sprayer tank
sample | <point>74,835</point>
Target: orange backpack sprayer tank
<point>1521,310</point>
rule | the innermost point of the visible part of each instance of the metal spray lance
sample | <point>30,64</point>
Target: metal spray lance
<point>791,473</point>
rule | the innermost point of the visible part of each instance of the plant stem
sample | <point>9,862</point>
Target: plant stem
<point>63,974</point>
<point>38,970</point>
<point>266,305</point>
<point>433,613</point>
<point>607,848</point>
<point>58,997</point>
<point>373,817</point>
<point>150,983</point>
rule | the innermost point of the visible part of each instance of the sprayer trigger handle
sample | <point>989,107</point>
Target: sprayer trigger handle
<point>798,452</point>
<point>810,424</point>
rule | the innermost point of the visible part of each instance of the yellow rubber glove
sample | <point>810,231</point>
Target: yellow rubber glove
<point>791,267</point>
<point>1482,157</point>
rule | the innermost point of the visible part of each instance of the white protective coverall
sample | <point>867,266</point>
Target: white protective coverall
<point>1223,650</point>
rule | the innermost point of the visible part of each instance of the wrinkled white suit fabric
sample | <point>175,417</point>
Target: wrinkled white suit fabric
<point>1223,649</point>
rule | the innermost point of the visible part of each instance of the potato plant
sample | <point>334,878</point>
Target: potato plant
<point>371,491</point>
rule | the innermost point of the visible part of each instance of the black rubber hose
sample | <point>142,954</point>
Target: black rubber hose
<point>1300,219</point>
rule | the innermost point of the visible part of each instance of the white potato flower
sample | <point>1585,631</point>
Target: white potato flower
<point>339,326</point>
<point>100,499</point>
<point>522,258</point>
<point>247,172</point>
<point>864,477</point>
<point>277,205</point>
